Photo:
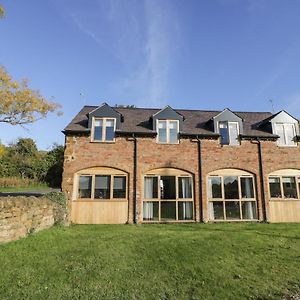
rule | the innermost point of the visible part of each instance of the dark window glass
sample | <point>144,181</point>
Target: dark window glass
<point>167,187</point>
<point>98,125</point>
<point>275,190</point>
<point>102,187</point>
<point>85,185</point>
<point>223,130</point>
<point>289,187</point>
<point>110,130</point>
<point>119,187</point>
<point>215,188</point>
<point>232,209</point>
<point>185,187</point>
<point>151,187</point>
<point>217,212</point>
<point>249,210</point>
<point>168,210</point>
<point>185,210</point>
<point>247,187</point>
<point>231,187</point>
<point>150,211</point>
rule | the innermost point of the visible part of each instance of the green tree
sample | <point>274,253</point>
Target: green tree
<point>20,104</point>
<point>2,11</point>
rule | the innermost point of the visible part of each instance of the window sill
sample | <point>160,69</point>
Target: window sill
<point>160,143</point>
<point>103,142</point>
<point>100,200</point>
<point>287,146</point>
<point>164,222</point>
<point>284,199</point>
<point>229,221</point>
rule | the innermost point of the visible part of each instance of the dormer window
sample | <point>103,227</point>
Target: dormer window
<point>229,132</point>
<point>167,131</point>
<point>103,130</point>
<point>286,134</point>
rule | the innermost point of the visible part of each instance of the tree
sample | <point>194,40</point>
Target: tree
<point>21,105</point>
<point>2,12</point>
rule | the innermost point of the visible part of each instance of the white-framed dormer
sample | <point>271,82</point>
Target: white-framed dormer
<point>229,125</point>
<point>229,132</point>
<point>103,130</point>
<point>167,131</point>
<point>286,127</point>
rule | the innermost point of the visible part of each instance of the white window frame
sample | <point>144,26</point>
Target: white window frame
<point>240,199</point>
<point>103,130</point>
<point>168,131</point>
<point>177,200</point>
<point>92,198</point>
<point>297,178</point>
<point>285,134</point>
<point>229,137</point>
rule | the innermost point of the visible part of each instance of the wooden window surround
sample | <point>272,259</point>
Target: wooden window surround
<point>168,127</point>
<point>231,196</point>
<point>103,132</point>
<point>285,140</point>
<point>284,185</point>
<point>177,205</point>
<point>112,192</point>
<point>227,137</point>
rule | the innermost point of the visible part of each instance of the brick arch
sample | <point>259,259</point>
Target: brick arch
<point>166,170</point>
<point>230,171</point>
<point>96,168</point>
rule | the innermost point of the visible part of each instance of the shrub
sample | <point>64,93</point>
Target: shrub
<point>17,182</point>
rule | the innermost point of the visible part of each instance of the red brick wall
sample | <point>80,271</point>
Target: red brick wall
<point>81,154</point>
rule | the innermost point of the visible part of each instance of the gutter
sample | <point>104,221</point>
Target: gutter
<point>135,218</point>
<point>200,178</point>
<point>262,181</point>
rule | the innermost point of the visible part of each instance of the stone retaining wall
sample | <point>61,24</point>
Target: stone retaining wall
<point>20,216</point>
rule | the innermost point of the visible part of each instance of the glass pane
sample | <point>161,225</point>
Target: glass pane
<point>215,189</point>
<point>151,188</point>
<point>232,210</point>
<point>173,131</point>
<point>231,187</point>
<point>289,187</point>
<point>167,187</point>
<point>85,187</point>
<point>168,211</point>
<point>185,187</point>
<point>280,132</point>
<point>275,190</point>
<point>162,131</point>
<point>290,134</point>
<point>185,210</point>
<point>216,210</point>
<point>223,130</point>
<point>119,187</point>
<point>110,130</point>
<point>150,211</point>
<point>98,130</point>
<point>249,210</point>
<point>102,187</point>
<point>247,187</point>
<point>233,133</point>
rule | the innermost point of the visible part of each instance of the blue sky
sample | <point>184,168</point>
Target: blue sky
<point>198,54</point>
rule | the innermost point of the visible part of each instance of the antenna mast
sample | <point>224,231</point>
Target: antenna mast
<point>272,103</point>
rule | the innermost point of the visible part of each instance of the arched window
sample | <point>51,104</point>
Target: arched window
<point>284,185</point>
<point>168,196</point>
<point>231,195</point>
<point>100,183</point>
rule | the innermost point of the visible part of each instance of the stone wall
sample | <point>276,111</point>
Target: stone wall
<point>20,216</point>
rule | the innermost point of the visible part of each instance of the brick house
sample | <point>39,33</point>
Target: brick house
<point>126,165</point>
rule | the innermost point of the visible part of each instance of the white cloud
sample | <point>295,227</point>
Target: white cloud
<point>143,36</point>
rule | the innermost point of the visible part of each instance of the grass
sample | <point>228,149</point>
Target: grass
<point>34,187</point>
<point>179,261</point>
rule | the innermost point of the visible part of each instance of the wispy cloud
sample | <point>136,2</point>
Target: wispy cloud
<point>143,36</point>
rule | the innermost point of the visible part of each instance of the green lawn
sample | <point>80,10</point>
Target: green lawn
<point>197,261</point>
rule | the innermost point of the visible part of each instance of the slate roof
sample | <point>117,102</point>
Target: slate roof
<point>138,120</point>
